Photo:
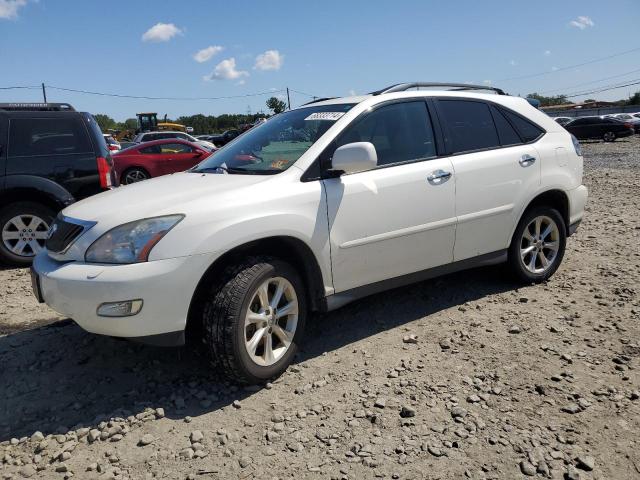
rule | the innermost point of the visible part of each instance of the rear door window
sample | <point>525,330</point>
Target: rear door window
<point>47,136</point>
<point>469,125</point>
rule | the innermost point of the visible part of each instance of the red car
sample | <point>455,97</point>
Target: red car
<point>153,159</point>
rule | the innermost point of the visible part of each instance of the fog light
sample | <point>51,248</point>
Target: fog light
<point>120,309</point>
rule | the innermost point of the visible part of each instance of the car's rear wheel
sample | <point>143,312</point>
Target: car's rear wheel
<point>538,245</point>
<point>254,319</point>
<point>23,231</point>
<point>609,136</point>
<point>134,175</point>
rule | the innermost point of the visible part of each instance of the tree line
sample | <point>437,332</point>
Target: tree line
<point>563,100</point>
<point>201,124</point>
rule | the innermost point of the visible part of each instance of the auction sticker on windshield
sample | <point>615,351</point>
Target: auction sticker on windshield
<point>331,116</point>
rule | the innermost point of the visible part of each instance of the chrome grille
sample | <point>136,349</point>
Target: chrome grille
<point>62,234</point>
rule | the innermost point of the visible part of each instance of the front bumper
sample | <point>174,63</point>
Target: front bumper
<point>166,287</point>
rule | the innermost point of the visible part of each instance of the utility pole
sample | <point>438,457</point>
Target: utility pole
<point>288,99</point>
<point>44,93</point>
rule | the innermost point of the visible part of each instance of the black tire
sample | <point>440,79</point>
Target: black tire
<point>609,136</point>
<point>224,311</point>
<point>140,173</point>
<point>17,209</point>
<point>516,263</point>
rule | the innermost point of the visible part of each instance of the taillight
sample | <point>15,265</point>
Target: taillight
<point>629,125</point>
<point>576,145</point>
<point>113,147</point>
<point>104,172</point>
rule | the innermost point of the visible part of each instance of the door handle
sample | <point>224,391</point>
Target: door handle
<point>438,177</point>
<point>527,160</point>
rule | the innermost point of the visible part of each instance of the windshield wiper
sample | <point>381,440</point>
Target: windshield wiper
<point>224,169</point>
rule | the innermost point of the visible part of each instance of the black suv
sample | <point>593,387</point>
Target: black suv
<point>50,156</point>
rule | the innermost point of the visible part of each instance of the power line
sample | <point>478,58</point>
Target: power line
<point>592,82</point>
<point>548,72</point>
<point>604,89</point>
<point>142,97</point>
<point>303,93</point>
<point>26,87</point>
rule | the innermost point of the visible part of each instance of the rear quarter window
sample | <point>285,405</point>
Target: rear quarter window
<point>528,130</point>
<point>48,136</point>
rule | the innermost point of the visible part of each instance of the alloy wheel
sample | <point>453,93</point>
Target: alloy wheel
<point>271,321</point>
<point>609,137</point>
<point>25,235</point>
<point>539,244</point>
<point>133,176</point>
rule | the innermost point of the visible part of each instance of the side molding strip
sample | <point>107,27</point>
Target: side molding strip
<point>338,300</point>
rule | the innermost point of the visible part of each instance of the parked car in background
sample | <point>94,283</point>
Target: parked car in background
<point>238,251</point>
<point>153,159</point>
<point>189,129</point>
<point>150,136</point>
<point>112,144</point>
<point>124,145</point>
<point>563,120</point>
<point>225,137</point>
<point>50,156</point>
<point>627,117</point>
<point>605,128</point>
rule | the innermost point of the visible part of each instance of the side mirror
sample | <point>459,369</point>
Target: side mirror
<point>355,157</point>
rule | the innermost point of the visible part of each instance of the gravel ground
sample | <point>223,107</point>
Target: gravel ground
<point>466,376</point>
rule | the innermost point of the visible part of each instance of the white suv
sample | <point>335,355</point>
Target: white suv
<point>319,206</point>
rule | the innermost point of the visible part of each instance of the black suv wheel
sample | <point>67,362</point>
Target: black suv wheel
<point>23,231</point>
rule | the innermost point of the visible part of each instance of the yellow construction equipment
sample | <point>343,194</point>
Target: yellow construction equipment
<point>148,122</point>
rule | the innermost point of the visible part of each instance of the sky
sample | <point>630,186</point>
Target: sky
<point>316,48</point>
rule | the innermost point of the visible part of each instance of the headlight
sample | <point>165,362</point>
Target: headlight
<point>131,242</point>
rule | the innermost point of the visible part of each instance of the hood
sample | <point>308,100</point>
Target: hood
<point>159,196</point>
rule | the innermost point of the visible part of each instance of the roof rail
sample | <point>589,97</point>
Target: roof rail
<point>37,107</point>
<point>316,100</point>
<point>401,87</point>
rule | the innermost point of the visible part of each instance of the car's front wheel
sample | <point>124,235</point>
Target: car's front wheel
<point>254,319</point>
<point>609,136</point>
<point>538,245</point>
<point>23,231</point>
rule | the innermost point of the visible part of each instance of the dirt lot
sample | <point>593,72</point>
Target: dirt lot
<point>503,382</point>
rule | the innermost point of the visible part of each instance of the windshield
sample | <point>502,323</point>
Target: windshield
<point>275,145</point>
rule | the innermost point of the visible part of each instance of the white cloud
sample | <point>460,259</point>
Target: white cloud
<point>206,54</point>
<point>269,60</point>
<point>513,63</point>
<point>553,69</point>
<point>161,32</point>
<point>582,22</point>
<point>352,93</point>
<point>226,70</point>
<point>487,82</point>
<point>547,53</point>
<point>9,8</point>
